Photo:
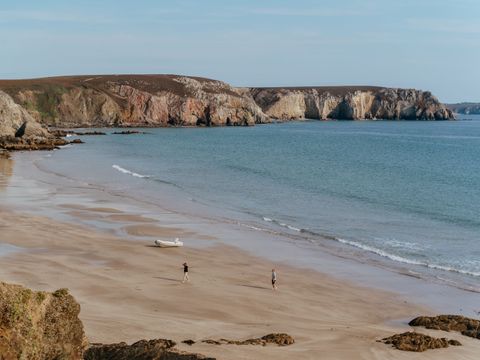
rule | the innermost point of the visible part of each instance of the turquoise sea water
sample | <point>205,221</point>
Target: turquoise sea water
<point>406,192</point>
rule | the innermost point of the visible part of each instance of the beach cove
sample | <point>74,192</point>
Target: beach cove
<point>60,232</point>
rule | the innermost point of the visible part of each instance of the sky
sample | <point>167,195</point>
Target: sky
<point>425,44</point>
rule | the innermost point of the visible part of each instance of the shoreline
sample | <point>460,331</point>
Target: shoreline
<point>130,290</point>
<point>329,257</point>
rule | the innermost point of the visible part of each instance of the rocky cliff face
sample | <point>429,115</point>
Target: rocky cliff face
<point>16,121</point>
<point>39,325</point>
<point>350,103</point>
<point>465,108</point>
<point>171,100</point>
<point>20,131</point>
<point>140,100</point>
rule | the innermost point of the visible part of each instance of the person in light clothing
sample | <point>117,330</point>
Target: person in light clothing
<point>185,272</point>
<point>274,279</point>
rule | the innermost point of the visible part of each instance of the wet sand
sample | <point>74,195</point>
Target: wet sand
<point>130,290</point>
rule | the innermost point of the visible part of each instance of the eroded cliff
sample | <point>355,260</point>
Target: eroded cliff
<point>350,103</point>
<point>20,131</point>
<point>172,100</point>
<point>133,100</point>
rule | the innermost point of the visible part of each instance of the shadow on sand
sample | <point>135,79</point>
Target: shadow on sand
<point>167,279</point>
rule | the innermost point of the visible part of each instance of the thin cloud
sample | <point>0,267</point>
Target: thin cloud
<point>47,16</point>
<point>444,25</point>
<point>308,12</point>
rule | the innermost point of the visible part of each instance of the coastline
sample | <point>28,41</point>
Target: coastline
<point>55,192</point>
<point>129,290</point>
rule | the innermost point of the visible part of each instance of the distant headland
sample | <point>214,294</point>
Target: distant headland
<point>30,106</point>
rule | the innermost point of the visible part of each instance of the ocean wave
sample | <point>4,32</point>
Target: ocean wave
<point>404,260</point>
<point>282,224</point>
<point>252,227</point>
<point>125,171</point>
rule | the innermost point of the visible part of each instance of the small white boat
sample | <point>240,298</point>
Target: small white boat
<point>165,243</point>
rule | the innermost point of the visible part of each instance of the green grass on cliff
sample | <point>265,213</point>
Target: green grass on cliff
<point>47,103</point>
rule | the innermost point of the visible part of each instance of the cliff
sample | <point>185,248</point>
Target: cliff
<point>172,100</point>
<point>133,100</point>
<point>16,121</point>
<point>350,103</point>
<point>20,131</point>
<point>39,325</point>
<point>465,108</point>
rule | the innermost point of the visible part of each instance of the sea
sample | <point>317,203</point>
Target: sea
<point>404,193</point>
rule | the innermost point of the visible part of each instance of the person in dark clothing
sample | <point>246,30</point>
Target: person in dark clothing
<point>185,272</point>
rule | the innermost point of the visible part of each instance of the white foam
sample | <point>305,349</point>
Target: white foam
<point>125,171</point>
<point>290,227</point>
<point>293,228</point>
<point>252,227</point>
<point>379,252</point>
<point>405,260</point>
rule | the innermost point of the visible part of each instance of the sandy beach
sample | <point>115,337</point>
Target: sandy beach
<point>131,290</point>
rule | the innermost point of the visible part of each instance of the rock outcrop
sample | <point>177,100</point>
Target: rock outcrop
<point>172,100</point>
<point>15,121</point>
<point>466,326</point>
<point>279,339</point>
<point>412,341</point>
<point>20,131</point>
<point>39,325</point>
<point>350,103</point>
<point>158,349</point>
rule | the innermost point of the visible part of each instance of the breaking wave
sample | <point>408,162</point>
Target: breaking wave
<point>126,171</point>
<point>404,260</point>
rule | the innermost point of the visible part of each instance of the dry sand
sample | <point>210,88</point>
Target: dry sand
<point>129,290</point>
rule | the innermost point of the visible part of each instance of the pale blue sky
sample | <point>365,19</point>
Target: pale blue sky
<point>427,44</point>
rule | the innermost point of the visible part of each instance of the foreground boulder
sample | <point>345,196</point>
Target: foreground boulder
<point>159,349</point>
<point>412,341</point>
<point>466,326</point>
<point>39,325</point>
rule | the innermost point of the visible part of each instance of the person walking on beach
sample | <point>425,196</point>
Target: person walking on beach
<point>274,279</point>
<point>185,272</point>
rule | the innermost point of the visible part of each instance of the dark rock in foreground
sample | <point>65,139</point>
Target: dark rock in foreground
<point>279,339</point>
<point>39,325</point>
<point>466,326</point>
<point>159,349</point>
<point>412,341</point>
